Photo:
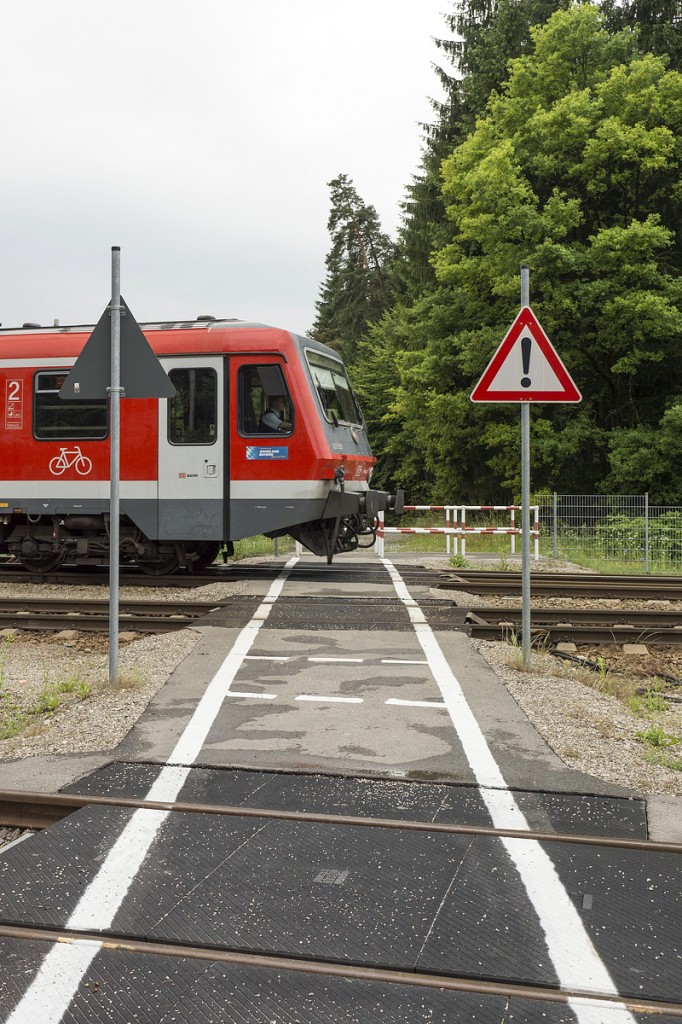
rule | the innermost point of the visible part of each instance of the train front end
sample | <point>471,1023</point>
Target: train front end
<point>311,477</point>
<point>348,516</point>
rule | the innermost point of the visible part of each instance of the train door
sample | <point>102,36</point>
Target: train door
<point>193,468</point>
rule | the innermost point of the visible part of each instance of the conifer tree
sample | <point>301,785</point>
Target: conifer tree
<point>359,284</point>
<point>658,24</point>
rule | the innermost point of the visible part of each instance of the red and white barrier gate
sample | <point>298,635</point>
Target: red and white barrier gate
<point>456,514</point>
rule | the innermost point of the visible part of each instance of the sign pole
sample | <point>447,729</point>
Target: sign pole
<point>114,391</point>
<point>116,362</point>
<point>525,368</point>
<point>525,500</point>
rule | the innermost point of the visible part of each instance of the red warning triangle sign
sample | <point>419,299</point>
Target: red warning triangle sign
<point>526,368</point>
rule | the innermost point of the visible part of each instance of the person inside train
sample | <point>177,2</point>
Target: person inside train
<point>272,419</point>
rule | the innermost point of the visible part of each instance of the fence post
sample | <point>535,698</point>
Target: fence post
<point>646,533</point>
<point>554,527</point>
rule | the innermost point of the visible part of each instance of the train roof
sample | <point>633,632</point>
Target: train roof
<point>154,325</point>
<point>34,340</point>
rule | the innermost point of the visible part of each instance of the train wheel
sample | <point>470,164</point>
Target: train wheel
<point>202,554</point>
<point>162,567</point>
<point>43,563</point>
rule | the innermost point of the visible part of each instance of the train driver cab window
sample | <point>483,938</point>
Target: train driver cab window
<point>66,419</point>
<point>193,409</point>
<point>333,389</point>
<point>265,406</point>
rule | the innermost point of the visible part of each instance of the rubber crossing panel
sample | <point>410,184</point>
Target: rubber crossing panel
<point>373,798</point>
<point>369,896</point>
<point>123,986</point>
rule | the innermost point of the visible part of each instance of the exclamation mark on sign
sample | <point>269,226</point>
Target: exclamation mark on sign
<point>525,359</point>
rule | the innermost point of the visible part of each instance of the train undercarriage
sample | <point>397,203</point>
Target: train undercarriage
<point>42,543</point>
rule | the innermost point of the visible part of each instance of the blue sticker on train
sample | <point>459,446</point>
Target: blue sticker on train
<point>256,451</point>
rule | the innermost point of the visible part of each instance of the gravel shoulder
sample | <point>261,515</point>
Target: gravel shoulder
<point>589,729</point>
<point>32,664</point>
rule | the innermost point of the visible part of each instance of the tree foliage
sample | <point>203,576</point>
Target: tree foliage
<point>657,22</point>
<point>359,284</point>
<point>562,150</point>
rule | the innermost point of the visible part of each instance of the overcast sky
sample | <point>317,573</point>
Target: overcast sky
<point>200,137</point>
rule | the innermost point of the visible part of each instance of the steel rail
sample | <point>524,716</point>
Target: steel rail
<point>94,616</point>
<point>231,573</point>
<point>95,623</point>
<point>95,605</point>
<point>551,584</point>
<point>39,810</point>
<point>579,616</point>
<point>665,636</point>
<point>580,577</point>
<point>117,942</point>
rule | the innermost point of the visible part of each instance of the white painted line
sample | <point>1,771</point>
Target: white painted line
<point>575,960</point>
<point>401,661</point>
<point>357,661</point>
<point>416,703</point>
<point>259,696</point>
<point>332,700</point>
<point>61,972</point>
<point>263,657</point>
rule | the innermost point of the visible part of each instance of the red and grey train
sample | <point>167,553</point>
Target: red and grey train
<point>198,470</point>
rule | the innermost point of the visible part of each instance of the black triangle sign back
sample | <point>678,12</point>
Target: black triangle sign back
<point>142,375</point>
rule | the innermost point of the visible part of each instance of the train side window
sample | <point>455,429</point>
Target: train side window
<point>66,419</point>
<point>193,409</point>
<point>257,387</point>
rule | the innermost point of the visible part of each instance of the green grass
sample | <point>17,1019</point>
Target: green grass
<point>253,547</point>
<point>658,738</point>
<point>661,746</point>
<point>649,703</point>
<point>12,719</point>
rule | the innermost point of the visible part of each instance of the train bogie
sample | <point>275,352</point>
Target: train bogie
<point>262,436</point>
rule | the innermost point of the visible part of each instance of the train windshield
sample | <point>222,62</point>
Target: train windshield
<point>333,387</point>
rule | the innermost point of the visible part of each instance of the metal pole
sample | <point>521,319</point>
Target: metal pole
<point>115,460</point>
<point>525,500</point>
<point>646,533</point>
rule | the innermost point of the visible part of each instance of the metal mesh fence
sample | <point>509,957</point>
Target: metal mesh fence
<point>614,527</point>
<point>664,540</point>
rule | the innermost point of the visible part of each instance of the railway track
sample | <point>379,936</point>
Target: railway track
<point>232,572</point>
<point>549,625</point>
<point>93,615</point>
<point>589,585</point>
<point>389,977</point>
<point>35,811</point>
<point>580,625</point>
<point>38,811</point>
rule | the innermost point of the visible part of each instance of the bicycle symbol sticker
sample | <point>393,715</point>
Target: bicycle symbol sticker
<point>69,457</point>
